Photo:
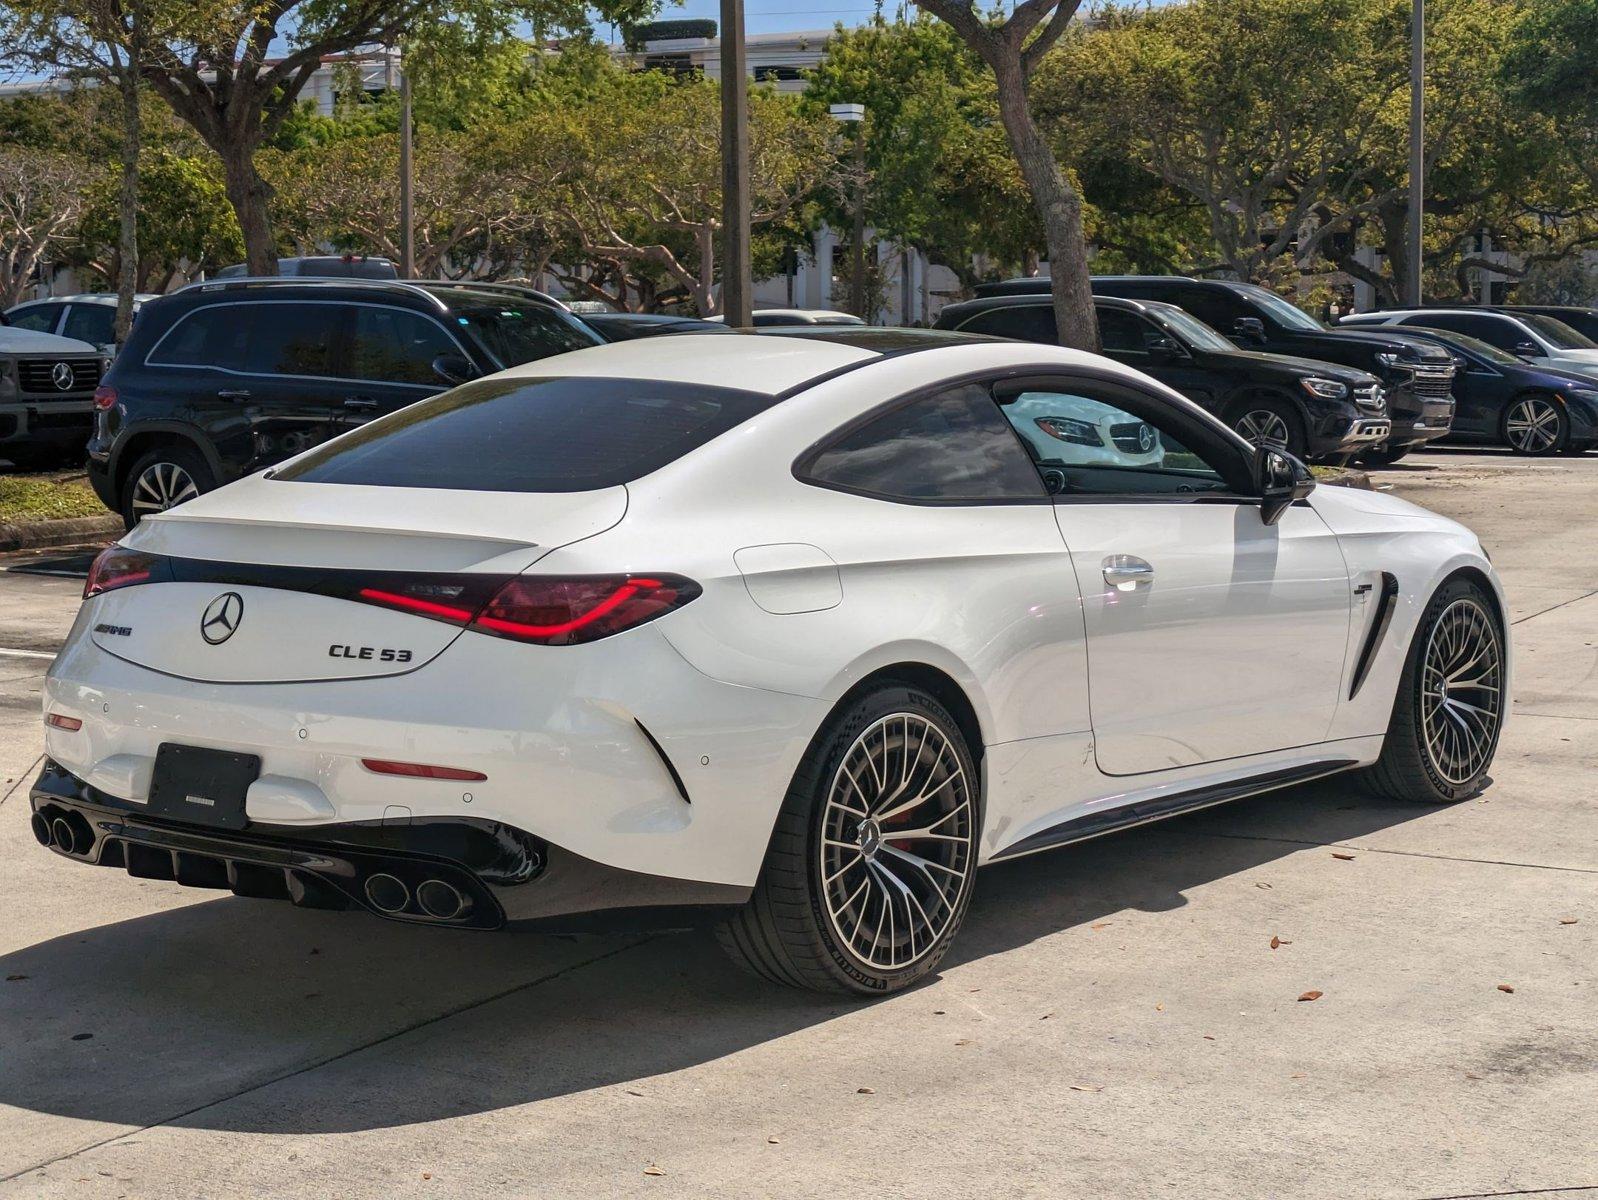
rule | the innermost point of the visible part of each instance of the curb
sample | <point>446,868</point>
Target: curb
<point>68,531</point>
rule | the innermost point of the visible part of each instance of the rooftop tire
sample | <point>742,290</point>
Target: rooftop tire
<point>1449,710</point>
<point>871,864</point>
<point>163,478</point>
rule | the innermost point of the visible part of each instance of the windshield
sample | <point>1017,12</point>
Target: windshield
<point>1286,313</point>
<point>1195,331</point>
<point>1557,334</point>
<point>1464,342</point>
<point>513,334</point>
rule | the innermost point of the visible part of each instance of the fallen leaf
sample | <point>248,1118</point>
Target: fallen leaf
<point>1468,1075</point>
<point>1266,886</point>
<point>1562,921</point>
<point>652,1169</point>
<point>1344,857</point>
<point>1101,924</point>
<point>1086,1087</point>
<point>14,978</point>
<point>1505,987</point>
<point>963,1042</point>
<point>427,1174</point>
<point>1276,942</point>
<point>1209,1037</point>
<point>1045,1016</point>
<point>83,1037</point>
<point>1298,1075</point>
<point>865,1091</point>
<point>774,1141</point>
<point>1159,1008</point>
<point>938,1012</point>
<point>634,1092</point>
<point>1312,995</point>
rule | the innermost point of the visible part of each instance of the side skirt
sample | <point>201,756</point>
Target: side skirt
<point>1080,829</point>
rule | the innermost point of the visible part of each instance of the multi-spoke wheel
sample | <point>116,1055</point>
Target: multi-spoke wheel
<point>1535,425</point>
<point>162,479</point>
<point>870,868</point>
<point>1270,422</point>
<point>1449,709</point>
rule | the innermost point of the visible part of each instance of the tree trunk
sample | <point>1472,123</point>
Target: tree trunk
<point>128,199</point>
<point>705,289</point>
<point>249,195</point>
<point>1059,208</point>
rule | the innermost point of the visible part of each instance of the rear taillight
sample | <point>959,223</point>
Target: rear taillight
<point>569,611</point>
<point>105,397</point>
<point>119,567</point>
<point>383,766</point>
<point>61,721</point>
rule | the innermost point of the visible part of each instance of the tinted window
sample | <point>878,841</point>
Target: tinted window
<point>291,339</point>
<point>1085,445</point>
<point>41,318</point>
<point>206,337</point>
<point>513,335</point>
<point>1124,333</point>
<point>94,323</point>
<point>1495,331</point>
<point>1215,307</point>
<point>396,346</point>
<point>950,446</point>
<point>1558,333</point>
<point>1026,322</point>
<point>531,435</point>
<point>1286,313</point>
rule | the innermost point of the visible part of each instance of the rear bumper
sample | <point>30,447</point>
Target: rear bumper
<point>461,873</point>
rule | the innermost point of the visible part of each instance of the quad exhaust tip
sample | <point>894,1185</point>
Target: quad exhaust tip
<point>387,893</point>
<point>69,833</point>
<point>440,900</point>
<point>41,829</point>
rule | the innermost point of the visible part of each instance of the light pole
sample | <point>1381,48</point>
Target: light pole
<point>1417,144</point>
<point>855,114</point>
<point>407,268</point>
<point>736,284</point>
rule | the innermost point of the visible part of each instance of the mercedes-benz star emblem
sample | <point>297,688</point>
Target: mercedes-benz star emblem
<point>61,376</point>
<point>1145,438</point>
<point>221,618</point>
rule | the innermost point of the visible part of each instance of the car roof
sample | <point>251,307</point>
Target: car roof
<point>879,339</point>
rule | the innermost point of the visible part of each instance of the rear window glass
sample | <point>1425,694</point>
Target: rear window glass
<point>531,435</point>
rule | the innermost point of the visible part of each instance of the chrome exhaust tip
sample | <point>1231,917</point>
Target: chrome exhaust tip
<point>440,900</point>
<point>64,835</point>
<point>41,829</point>
<point>386,893</point>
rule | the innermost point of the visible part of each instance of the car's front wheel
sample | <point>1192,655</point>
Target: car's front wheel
<point>871,864</point>
<point>1267,421</point>
<point>1449,710</point>
<point>1535,426</point>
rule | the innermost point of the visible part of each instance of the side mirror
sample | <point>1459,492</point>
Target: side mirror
<point>454,368</point>
<point>1165,349</point>
<point>1280,479</point>
<point>1249,329</point>
<point>1528,350</point>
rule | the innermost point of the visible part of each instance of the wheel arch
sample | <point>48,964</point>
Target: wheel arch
<point>938,683</point>
<point>149,437</point>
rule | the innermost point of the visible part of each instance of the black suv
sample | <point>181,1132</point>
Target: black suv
<point>1315,410</point>
<point>1418,375</point>
<point>225,378</point>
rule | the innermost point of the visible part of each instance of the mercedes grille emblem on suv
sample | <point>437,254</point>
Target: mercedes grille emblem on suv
<point>222,617</point>
<point>1145,437</point>
<point>61,376</point>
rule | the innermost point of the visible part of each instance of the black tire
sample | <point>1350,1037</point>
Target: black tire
<point>1252,412</point>
<point>1550,433</point>
<point>1409,769</point>
<point>1576,447</point>
<point>1384,456</point>
<point>163,468</point>
<point>787,933</point>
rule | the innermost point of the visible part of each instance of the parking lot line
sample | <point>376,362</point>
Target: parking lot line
<point>7,653</point>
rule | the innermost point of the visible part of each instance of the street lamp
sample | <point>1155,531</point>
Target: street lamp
<point>855,114</point>
<point>737,284</point>
<point>1417,143</point>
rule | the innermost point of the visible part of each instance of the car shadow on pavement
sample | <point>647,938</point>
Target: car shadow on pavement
<point>242,1015</point>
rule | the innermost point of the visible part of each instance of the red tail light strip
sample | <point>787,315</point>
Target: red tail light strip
<point>59,721</point>
<point>426,608</point>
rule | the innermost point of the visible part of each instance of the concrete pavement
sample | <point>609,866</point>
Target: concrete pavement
<point>1113,1021</point>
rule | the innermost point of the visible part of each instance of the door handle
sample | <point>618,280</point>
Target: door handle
<point>360,403</point>
<point>233,394</point>
<point>1127,572</point>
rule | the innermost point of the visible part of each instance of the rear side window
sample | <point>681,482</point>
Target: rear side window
<point>1027,322</point>
<point>93,323</point>
<point>950,447</point>
<point>207,337</point>
<point>291,339</point>
<point>396,346</point>
<point>41,318</point>
<point>531,435</point>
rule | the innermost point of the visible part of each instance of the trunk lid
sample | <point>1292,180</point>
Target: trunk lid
<point>265,576</point>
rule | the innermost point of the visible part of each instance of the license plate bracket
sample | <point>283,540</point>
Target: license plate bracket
<point>202,786</point>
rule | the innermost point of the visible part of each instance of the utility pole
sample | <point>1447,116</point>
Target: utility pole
<point>407,268</point>
<point>855,114</point>
<point>1417,145</point>
<point>736,283</point>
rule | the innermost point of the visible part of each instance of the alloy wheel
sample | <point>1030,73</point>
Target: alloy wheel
<point>1461,691</point>
<point>1264,428</point>
<point>1532,425</point>
<point>160,486</point>
<point>897,845</point>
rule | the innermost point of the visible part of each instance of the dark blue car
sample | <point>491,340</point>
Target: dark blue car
<point>1506,402</point>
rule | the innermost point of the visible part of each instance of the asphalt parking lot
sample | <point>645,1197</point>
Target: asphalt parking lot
<point>1113,1021</point>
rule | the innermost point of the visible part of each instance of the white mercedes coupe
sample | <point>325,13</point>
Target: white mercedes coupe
<point>791,632</point>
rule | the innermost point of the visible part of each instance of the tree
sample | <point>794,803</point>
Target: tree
<point>41,197</point>
<point>940,174</point>
<point>1012,49</point>
<point>185,219</point>
<point>630,161</point>
<point>233,84</point>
